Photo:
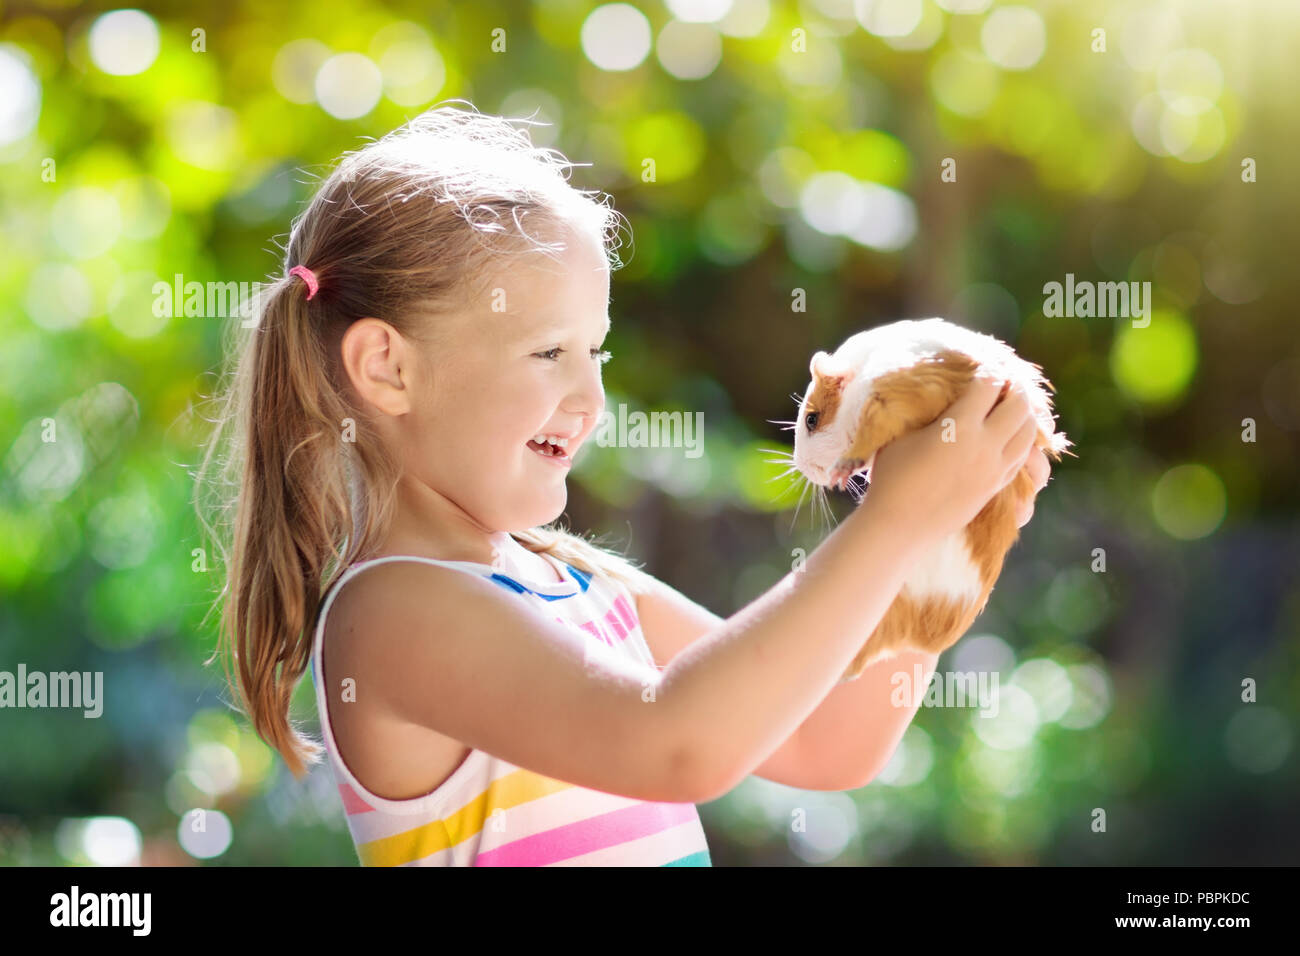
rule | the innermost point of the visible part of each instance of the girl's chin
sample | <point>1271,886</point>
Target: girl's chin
<point>539,517</point>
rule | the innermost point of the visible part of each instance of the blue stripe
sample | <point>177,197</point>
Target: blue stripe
<point>513,585</point>
<point>583,579</point>
<point>695,859</point>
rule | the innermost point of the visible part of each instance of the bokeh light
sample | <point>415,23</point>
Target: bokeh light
<point>294,69</point>
<point>888,18</point>
<point>1149,31</point>
<point>689,51</point>
<point>911,762</point>
<point>1048,684</point>
<point>1155,363</point>
<point>1013,723</point>
<point>99,841</point>
<point>699,11</point>
<point>616,37</point>
<point>1014,37</point>
<point>831,822</point>
<point>349,85</point>
<point>413,71</point>
<point>1189,501</point>
<point>204,135</point>
<point>1190,81</point>
<point>964,82</point>
<point>205,834</point>
<point>124,42</point>
<point>21,104</point>
<point>872,215</point>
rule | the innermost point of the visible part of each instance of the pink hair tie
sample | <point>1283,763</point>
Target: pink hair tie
<point>308,277</point>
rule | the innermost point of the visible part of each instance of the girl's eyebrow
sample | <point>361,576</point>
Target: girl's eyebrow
<point>552,327</point>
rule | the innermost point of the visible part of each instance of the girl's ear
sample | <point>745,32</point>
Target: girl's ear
<point>378,363</point>
<point>834,373</point>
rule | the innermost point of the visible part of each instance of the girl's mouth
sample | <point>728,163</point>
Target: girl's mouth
<point>552,453</point>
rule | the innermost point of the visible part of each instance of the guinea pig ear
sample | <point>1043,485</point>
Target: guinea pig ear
<point>831,372</point>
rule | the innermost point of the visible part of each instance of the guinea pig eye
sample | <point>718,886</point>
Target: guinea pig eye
<point>810,421</point>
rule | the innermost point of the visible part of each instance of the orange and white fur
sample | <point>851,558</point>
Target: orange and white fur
<point>880,385</point>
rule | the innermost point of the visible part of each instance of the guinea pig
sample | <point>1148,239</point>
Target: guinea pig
<point>892,380</point>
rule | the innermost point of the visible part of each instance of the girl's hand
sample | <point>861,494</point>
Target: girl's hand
<point>940,485</point>
<point>1040,468</point>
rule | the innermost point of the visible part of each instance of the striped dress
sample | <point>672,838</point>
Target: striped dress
<point>492,813</point>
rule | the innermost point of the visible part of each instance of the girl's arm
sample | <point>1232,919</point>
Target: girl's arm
<point>855,730</point>
<point>751,683</point>
<point>844,743</point>
<point>437,648</point>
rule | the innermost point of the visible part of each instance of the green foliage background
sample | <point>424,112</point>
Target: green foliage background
<point>1122,689</point>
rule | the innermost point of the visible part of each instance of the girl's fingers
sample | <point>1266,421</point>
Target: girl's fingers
<point>1025,513</point>
<point>1005,420</point>
<point>1039,467</point>
<point>975,403</point>
<point>1021,443</point>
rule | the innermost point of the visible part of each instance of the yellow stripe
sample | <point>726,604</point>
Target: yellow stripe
<point>515,788</point>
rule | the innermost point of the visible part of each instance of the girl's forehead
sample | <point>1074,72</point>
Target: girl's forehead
<point>538,281</point>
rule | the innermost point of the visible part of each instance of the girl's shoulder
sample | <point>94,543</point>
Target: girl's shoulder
<point>368,588</point>
<point>430,647</point>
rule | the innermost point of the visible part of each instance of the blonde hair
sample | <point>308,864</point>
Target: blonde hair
<point>402,229</point>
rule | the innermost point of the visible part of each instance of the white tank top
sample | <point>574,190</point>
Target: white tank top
<point>492,813</point>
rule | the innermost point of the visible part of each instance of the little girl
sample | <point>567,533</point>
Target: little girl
<point>493,690</point>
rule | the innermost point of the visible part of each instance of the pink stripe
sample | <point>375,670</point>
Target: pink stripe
<point>625,612</point>
<point>586,836</point>
<point>591,628</point>
<point>614,624</point>
<point>352,802</point>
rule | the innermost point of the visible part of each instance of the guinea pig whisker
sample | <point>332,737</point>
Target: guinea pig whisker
<point>783,474</point>
<point>824,508</point>
<point>799,504</point>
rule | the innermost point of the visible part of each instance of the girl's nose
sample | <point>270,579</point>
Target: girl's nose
<point>588,396</point>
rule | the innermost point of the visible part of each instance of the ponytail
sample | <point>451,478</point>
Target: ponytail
<point>294,506</point>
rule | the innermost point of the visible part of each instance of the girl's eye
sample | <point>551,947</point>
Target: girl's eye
<point>554,353</point>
